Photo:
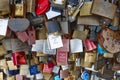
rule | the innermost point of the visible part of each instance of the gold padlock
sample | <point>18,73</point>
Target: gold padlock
<point>31,5</point>
<point>90,57</point>
<point>103,8</point>
<point>4,7</point>
<point>72,57</point>
<point>77,11</point>
<point>71,65</point>
<point>85,9</point>
<point>19,10</point>
<point>85,64</point>
<point>115,21</point>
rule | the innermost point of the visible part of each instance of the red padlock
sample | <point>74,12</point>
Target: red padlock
<point>89,45</point>
<point>42,6</point>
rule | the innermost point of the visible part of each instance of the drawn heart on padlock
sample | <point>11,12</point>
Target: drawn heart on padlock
<point>109,39</point>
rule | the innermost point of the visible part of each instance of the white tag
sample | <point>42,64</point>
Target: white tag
<point>24,69</point>
<point>64,67</point>
<point>38,46</point>
<point>56,69</point>
<point>77,61</point>
<point>29,76</point>
<point>51,14</point>
<point>54,41</point>
<point>3,26</point>
<point>76,45</point>
<point>11,65</point>
<point>46,49</point>
<point>3,64</point>
<point>39,76</point>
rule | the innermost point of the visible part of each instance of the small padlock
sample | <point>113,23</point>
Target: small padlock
<point>73,16</point>
<point>19,8</point>
<point>92,35</point>
<point>71,10</point>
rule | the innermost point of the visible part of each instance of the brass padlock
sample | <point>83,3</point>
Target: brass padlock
<point>86,8</point>
<point>103,8</point>
<point>85,64</point>
<point>19,10</point>
<point>72,57</point>
<point>3,50</point>
<point>76,11</point>
<point>115,21</point>
<point>4,7</point>
<point>90,57</point>
<point>71,10</point>
<point>31,5</point>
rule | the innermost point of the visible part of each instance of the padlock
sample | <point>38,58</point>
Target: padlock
<point>1,75</point>
<point>103,8</point>
<point>71,65</point>
<point>71,10</point>
<point>11,78</point>
<point>31,5</point>
<point>58,4</point>
<point>72,57</point>
<point>73,16</point>
<point>4,7</point>
<point>92,34</point>
<point>115,21</point>
<point>20,7</point>
<point>85,9</point>
<point>34,60</point>
<point>24,69</point>
<point>3,50</point>
<point>80,34</point>
<point>32,36</point>
<point>61,58</point>
<point>90,57</point>
<point>23,36</point>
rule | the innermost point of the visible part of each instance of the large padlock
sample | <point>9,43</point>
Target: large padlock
<point>103,8</point>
